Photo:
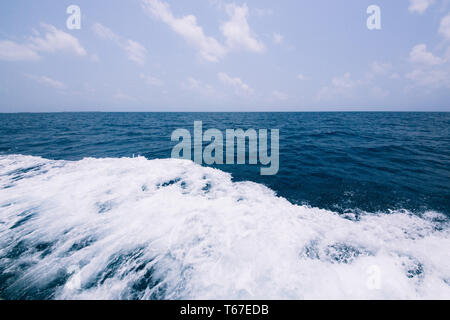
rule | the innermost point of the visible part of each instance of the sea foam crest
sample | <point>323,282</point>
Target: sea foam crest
<point>171,229</point>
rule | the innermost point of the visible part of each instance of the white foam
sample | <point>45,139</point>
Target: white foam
<point>170,229</point>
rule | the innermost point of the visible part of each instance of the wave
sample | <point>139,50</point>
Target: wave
<point>133,228</point>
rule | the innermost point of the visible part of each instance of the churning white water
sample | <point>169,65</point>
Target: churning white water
<point>170,229</point>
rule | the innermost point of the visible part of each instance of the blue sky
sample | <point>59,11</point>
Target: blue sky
<point>213,55</point>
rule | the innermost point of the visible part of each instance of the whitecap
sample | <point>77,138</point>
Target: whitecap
<point>133,228</point>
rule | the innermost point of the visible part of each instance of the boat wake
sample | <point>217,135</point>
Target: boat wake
<point>170,229</point>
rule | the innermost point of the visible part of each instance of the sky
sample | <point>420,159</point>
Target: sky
<point>213,55</point>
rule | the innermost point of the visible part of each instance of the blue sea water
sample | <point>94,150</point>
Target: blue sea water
<point>92,208</point>
<point>337,161</point>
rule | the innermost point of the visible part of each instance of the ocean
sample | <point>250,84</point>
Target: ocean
<point>92,207</point>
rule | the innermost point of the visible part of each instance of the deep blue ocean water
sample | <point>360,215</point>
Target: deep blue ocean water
<point>338,161</point>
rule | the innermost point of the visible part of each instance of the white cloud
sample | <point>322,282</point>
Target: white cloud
<point>237,83</point>
<point>120,96</point>
<point>429,71</point>
<point>420,55</point>
<point>199,87</point>
<point>277,38</point>
<point>152,81</point>
<point>105,32</point>
<point>237,31</point>
<point>345,86</point>
<point>135,51</point>
<point>187,27</point>
<point>301,77</point>
<point>379,68</point>
<point>57,40</point>
<point>444,27</point>
<point>11,51</point>
<point>280,95</point>
<point>192,83</point>
<point>419,6</point>
<point>54,40</point>
<point>430,78</point>
<point>344,81</point>
<point>48,82</point>
<point>340,86</point>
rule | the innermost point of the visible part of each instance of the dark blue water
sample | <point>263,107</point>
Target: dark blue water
<point>338,161</point>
